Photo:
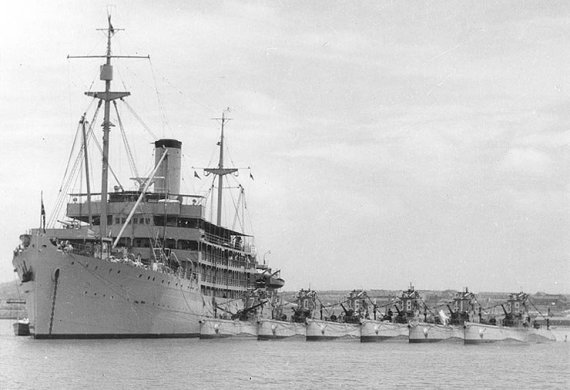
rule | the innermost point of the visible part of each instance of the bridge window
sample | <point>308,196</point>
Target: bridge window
<point>142,242</point>
<point>187,245</point>
<point>192,223</point>
<point>124,241</point>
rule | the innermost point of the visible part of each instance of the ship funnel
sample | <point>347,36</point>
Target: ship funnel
<point>167,179</point>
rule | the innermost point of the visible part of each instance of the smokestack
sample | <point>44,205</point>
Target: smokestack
<point>168,174</point>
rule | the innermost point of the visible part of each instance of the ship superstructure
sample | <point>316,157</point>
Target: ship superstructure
<point>281,327</point>
<point>393,326</point>
<point>355,309</point>
<point>516,325</point>
<point>463,308</point>
<point>407,307</point>
<point>444,327</point>
<point>137,263</point>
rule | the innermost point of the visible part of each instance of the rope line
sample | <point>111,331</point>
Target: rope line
<point>137,117</point>
<point>126,143</point>
<point>163,116</point>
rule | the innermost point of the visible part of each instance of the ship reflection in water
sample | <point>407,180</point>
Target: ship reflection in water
<point>221,364</point>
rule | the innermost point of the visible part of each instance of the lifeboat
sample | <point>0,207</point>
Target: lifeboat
<point>265,278</point>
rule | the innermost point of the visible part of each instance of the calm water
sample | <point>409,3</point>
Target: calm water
<point>221,364</point>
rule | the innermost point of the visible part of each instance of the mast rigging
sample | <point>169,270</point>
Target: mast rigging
<point>106,75</point>
<point>221,171</point>
<point>87,181</point>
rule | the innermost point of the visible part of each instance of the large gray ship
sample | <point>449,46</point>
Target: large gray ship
<point>136,263</point>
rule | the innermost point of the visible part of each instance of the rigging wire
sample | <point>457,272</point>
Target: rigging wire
<point>65,188</point>
<point>232,197</point>
<point>538,311</point>
<point>160,105</point>
<point>197,102</point>
<point>126,143</point>
<point>69,175</point>
<point>212,200</point>
<point>72,149</point>
<point>236,207</point>
<point>248,219</point>
<point>137,117</point>
<point>110,168</point>
<point>227,151</point>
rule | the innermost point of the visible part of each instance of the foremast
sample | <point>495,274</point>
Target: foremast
<point>106,75</point>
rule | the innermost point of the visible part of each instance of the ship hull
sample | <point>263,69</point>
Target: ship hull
<point>377,331</point>
<point>319,330</point>
<point>73,296</point>
<point>279,330</point>
<point>217,328</point>
<point>483,334</point>
<point>433,333</point>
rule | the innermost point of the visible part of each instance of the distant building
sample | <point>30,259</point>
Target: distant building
<point>554,300</point>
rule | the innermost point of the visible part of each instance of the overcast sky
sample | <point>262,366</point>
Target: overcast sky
<point>391,142</point>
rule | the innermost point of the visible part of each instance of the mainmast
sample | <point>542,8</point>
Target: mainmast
<point>221,171</point>
<point>106,74</point>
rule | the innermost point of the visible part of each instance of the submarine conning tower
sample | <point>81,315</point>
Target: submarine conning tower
<point>167,179</point>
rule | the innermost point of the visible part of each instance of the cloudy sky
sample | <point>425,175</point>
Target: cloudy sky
<point>391,142</point>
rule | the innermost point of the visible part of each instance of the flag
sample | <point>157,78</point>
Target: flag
<point>43,213</point>
<point>111,29</point>
<point>196,175</point>
<point>250,176</point>
<point>443,317</point>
